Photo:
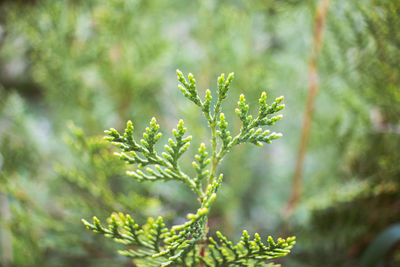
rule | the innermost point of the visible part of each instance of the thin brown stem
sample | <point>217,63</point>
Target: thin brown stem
<point>319,22</point>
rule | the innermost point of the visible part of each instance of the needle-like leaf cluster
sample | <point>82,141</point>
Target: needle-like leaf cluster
<point>188,245</point>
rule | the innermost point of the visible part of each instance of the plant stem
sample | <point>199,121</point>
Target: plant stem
<point>320,18</point>
<point>214,151</point>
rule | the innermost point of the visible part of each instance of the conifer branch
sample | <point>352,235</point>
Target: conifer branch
<point>246,251</point>
<point>166,166</point>
<point>186,244</point>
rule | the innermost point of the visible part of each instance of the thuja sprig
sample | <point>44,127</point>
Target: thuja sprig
<point>188,245</point>
<point>247,252</point>
<point>163,167</point>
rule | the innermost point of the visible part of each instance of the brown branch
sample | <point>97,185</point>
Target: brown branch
<point>202,252</point>
<point>203,245</point>
<point>319,22</point>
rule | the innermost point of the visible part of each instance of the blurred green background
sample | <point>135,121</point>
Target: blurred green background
<point>70,69</point>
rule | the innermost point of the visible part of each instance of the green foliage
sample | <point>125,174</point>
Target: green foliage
<point>360,71</point>
<point>247,252</point>
<point>185,244</point>
<point>88,61</point>
<point>20,154</point>
<point>30,215</point>
<point>95,178</point>
<point>93,54</point>
<point>67,54</point>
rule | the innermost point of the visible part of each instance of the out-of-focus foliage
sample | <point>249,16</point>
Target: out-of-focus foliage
<point>84,62</point>
<point>361,71</point>
<point>90,62</point>
<point>42,197</point>
<point>92,54</point>
<point>20,159</point>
